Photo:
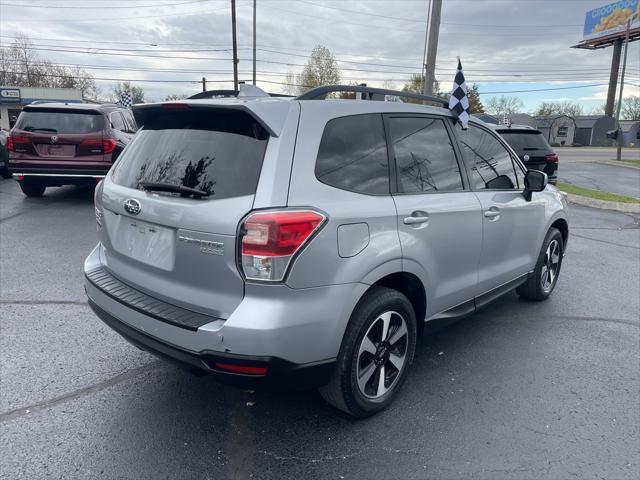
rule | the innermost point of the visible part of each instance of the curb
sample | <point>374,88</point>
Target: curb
<point>616,163</point>
<point>602,204</point>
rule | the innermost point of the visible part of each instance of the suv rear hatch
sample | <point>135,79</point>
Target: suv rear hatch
<point>531,143</point>
<point>180,246</point>
<point>72,138</point>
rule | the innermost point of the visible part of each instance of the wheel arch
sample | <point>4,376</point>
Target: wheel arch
<point>410,286</point>
<point>563,226</point>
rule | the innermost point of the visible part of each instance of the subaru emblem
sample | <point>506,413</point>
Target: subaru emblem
<point>54,138</point>
<point>132,206</point>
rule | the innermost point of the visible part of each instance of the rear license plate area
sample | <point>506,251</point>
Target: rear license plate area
<point>142,241</point>
<point>56,150</point>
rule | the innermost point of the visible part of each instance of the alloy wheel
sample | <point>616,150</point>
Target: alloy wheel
<point>550,266</point>
<point>382,355</point>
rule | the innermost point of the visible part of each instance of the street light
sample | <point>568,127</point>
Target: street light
<point>630,20</point>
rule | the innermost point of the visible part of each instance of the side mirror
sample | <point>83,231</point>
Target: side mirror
<point>534,181</point>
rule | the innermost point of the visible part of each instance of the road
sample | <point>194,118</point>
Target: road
<point>519,390</point>
<point>579,167</point>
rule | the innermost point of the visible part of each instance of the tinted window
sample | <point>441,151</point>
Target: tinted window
<point>218,151</point>
<point>425,159</point>
<point>59,121</point>
<point>489,163</point>
<point>523,142</point>
<point>353,155</point>
<point>129,121</point>
<point>117,121</point>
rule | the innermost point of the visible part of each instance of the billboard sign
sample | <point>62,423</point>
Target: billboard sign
<point>10,95</point>
<point>611,19</point>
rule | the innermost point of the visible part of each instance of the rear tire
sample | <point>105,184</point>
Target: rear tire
<point>32,189</point>
<point>376,351</point>
<point>545,276</point>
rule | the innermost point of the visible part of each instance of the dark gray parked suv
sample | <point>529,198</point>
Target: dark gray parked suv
<point>305,243</point>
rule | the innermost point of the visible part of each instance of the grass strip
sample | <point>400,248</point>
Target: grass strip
<point>597,194</point>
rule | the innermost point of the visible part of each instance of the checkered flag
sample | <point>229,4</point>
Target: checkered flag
<point>459,101</point>
<point>125,100</point>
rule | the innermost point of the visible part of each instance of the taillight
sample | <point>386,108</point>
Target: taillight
<point>108,145</point>
<point>552,157</point>
<point>105,145</point>
<point>270,240</point>
<point>13,141</point>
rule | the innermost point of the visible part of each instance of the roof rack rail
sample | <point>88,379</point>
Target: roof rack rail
<point>320,93</point>
<point>246,90</point>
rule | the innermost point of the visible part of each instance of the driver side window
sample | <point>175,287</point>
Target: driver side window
<point>488,161</point>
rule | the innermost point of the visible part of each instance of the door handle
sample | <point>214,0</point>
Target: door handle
<point>415,220</point>
<point>493,212</point>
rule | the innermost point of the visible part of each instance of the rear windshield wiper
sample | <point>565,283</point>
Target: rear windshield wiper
<point>170,187</point>
<point>34,129</point>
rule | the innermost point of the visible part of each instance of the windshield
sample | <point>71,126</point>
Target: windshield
<point>523,142</point>
<point>60,121</point>
<point>219,152</point>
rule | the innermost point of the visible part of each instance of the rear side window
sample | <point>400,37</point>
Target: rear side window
<point>425,159</point>
<point>488,161</point>
<point>215,150</point>
<point>117,121</point>
<point>59,121</point>
<point>353,155</point>
<point>523,142</point>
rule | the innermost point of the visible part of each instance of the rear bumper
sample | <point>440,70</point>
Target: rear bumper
<point>280,373</point>
<point>296,332</point>
<point>48,177</point>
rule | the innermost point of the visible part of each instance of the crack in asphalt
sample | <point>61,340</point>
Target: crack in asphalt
<point>129,374</point>
<point>96,387</point>
<point>43,302</point>
<point>605,241</point>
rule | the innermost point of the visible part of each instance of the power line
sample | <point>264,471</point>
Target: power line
<point>101,7</point>
<point>120,19</point>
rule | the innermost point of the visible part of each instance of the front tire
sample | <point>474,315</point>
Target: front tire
<point>545,276</point>
<point>32,189</point>
<point>376,351</point>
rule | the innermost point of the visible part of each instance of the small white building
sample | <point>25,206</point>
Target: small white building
<point>12,99</point>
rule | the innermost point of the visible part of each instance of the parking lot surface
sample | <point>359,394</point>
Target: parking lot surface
<point>580,167</point>
<point>518,390</point>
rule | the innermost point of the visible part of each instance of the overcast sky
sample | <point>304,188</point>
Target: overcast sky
<point>374,41</point>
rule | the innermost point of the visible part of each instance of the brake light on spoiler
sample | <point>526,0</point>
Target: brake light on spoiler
<point>271,239</point>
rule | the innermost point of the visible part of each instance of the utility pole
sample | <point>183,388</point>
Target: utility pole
<point>624,66</point>
<point>426,39</point>
<point>613,77</point>
<point>235,45</point>
<point>432,49</point>
<point>254,42</point>
<point>204,84</point>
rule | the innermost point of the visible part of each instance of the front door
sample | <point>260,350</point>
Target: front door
<point>510,224</point>
<point>439,220</point>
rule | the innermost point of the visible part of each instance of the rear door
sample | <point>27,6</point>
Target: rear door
<point>178,247</point>
<point>511,225</point>
<point>439,220</point>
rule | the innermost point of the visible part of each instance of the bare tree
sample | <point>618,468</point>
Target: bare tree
<point>566,107</point>
<point>20,66</point>
<point>503,105</point>
<point>290,86</point>
<point>630,108</point>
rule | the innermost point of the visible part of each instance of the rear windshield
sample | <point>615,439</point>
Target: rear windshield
<point>523,142</point>
<point>218,151</point>
<point>59,121</point>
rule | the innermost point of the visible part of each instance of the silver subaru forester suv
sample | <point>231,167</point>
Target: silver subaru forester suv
<point>305,242</point>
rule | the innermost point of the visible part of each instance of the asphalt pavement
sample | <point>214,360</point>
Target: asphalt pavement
<point>519,390</point>
<point>580,167</point>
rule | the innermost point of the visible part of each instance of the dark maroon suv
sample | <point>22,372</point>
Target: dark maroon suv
<point>54,144</point>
